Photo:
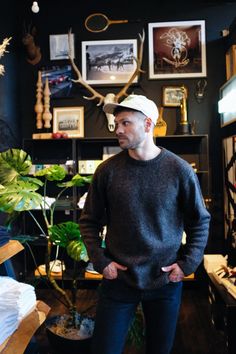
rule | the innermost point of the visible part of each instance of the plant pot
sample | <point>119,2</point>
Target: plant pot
<point>61,344</point>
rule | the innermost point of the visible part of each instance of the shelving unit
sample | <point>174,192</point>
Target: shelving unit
<point>19,340</point>
<point>193,149</point>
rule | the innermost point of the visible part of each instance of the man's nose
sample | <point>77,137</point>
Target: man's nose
<point>119,129</point>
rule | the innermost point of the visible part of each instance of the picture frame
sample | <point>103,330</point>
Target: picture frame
<point>172,95</point>
<point>59,80</point>
<point>109,62</point>
<point>226,106</point>
<point>177,49</point>
<point>69,120</point>
<point>59,46</point>
<point>230,60</point>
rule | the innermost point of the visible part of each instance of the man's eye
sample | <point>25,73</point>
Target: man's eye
<point>125,123</point>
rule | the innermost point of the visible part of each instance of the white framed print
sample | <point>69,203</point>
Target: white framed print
<point>59,46</point>
<point>177,49</point>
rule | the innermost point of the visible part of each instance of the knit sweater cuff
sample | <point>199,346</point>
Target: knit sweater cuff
<point>186,268</point>
<point>101,264</point>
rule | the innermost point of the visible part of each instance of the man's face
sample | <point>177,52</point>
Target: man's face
<point>130,129</point>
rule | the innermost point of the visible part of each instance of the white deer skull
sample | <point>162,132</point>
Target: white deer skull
<point>110,97</point>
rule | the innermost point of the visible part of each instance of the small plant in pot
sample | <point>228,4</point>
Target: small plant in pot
<point>22,192</point>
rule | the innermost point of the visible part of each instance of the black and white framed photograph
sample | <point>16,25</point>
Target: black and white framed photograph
<point>109,61</point>
<point>177,49</point>
<point>59,46</point>
<point>69,120</point>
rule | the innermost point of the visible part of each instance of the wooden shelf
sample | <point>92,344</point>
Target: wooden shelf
<point>19,340</point>
<point>9,250</point>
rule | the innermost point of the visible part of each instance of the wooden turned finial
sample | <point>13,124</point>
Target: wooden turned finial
<point>47,115</point>
<point>38,108</point>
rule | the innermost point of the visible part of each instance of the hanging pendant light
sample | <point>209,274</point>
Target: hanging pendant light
<point>35,7</point>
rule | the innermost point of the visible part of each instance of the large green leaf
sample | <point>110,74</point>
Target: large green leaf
<point>77,181</point>
<point>61,234</point>
<point>77,251</point>
<point>19,196</point>
<point>13,162</point>
<point>52,173</point>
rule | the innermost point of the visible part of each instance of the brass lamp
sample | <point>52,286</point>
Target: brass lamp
<point>183,126</point>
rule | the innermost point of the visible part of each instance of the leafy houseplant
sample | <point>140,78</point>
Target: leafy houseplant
<point>22,192</point>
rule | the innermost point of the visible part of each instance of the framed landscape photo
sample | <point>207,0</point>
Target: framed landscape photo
<point>177,49</point>
<point>172,96</point>
<point>59,46</point>
<point>69,120</point>
<point>109,62</point>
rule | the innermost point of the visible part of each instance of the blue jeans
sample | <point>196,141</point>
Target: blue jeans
<point>116,308</point>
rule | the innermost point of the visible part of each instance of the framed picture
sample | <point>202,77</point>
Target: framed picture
<point>69,120</point>
<point>230,59</point>
<point>177,49</point>
<point>59,79</point>
<point>59,46</point>
<point>109,61</point>
<point>172,96</point>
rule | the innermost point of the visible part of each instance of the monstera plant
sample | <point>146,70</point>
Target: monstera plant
<point>22,192</point>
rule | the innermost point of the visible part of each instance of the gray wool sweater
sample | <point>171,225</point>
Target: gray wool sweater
<point>146,206</point>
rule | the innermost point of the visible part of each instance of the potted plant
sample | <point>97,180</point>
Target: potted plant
<point>22,192</point>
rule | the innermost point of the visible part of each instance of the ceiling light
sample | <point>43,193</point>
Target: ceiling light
<point>35,7</point>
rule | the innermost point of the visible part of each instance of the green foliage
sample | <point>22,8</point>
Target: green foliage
<point>77,181</point>
<point>52,173</point>
<point>68,235</point>
<point>20,192</point>
<point>13,162</point>
<point>62,234</point>
<point>20,195</point>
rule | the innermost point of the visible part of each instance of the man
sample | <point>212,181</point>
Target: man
<point>148,197</point>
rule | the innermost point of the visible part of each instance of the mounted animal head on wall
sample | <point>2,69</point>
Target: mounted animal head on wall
<point>109,97</point>
<point>33,51</point>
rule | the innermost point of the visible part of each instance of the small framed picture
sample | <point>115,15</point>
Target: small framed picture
<point>59,46</point>
<point>172,96</point>
<point>69,120</point>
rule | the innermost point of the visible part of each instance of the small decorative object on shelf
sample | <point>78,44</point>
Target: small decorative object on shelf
<point>161,126</point>
<point>38,108</point>
<point>183,127</point>
<point>200,90</point>
<point>47,115</point>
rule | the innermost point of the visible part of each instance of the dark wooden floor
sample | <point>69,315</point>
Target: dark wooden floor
<point>195,332</point>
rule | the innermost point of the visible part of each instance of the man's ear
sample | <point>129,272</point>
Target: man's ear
<point>148,124</point>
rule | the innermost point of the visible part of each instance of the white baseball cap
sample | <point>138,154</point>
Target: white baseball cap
<point>137,102</point>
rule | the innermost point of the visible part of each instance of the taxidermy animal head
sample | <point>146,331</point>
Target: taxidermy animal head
<point>33,52</point>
